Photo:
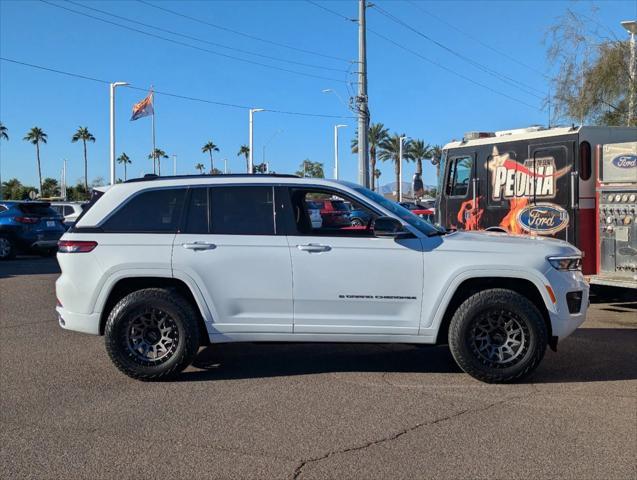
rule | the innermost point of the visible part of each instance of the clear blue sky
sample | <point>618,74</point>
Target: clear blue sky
<point>406,93</point>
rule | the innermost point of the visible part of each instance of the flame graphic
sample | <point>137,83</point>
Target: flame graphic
<point>470,215</point>
<point>510,220</point>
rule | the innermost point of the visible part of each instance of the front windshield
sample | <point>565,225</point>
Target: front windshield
<point>401,212</point>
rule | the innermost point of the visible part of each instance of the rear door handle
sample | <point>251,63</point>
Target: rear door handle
<point>314,248</point>
<point>199,246</point>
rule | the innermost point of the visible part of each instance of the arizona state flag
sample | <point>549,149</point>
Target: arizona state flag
<point>143,108</point>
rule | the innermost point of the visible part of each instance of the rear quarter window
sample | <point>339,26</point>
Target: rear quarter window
<point>154,211</point>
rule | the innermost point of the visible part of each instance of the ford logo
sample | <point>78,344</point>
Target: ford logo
<point>543,218</point>
<point>625,161</point>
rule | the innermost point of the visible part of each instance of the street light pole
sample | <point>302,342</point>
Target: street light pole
<point>112,125</point>
<point>400,169</point>
<point>336,127</point>
<point>174,164</point>
<point>631,27</point>
<point>250,133</point>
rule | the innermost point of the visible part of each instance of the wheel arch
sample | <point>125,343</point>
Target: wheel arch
<point>126,285</point>
<point>472,285</point>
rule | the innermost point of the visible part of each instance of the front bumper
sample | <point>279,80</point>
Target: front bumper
<point>563,322</point>
<point>79,322</point>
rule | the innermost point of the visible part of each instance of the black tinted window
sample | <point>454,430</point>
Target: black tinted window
<point>242,210</point>
<point>68,210</point>
<point>197,219</point>
<point>152,211</point>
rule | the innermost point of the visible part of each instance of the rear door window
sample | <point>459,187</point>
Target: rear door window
<point>153,211</point>
<point>242,210</point>
<point>198,216</point>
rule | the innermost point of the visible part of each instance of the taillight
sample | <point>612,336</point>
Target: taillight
<point>27,219</point>
<point>76,246</point>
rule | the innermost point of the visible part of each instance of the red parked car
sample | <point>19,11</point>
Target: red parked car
<point>418,209</point>
<point>335,213</point>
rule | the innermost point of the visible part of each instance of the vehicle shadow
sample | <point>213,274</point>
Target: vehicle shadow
<point>31,265</point>
<point>590,355</point>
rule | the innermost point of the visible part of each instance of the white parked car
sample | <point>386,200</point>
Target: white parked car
<point>161,266</point>
<point>69,210</point>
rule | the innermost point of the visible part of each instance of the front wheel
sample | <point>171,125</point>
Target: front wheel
<point>497,336</point>
<point>152,334</point>
<point>7,249</point>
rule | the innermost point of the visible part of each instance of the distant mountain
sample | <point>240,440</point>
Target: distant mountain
<point>390,188</point>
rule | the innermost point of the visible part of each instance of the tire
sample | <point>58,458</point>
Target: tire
<point>497,336</point>
<point>152,334</point>
<point>356,222</point>
<point>7,248</point>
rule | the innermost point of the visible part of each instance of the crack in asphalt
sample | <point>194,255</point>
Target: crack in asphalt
<point>299,469</point>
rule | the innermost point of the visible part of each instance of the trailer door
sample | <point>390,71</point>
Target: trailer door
<point>461,209</point>
<point>552,191</point>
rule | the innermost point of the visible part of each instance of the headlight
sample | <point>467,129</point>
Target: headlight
<point>566,263</point>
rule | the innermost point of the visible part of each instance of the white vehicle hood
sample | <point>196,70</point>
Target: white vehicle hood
<point>503,243</point>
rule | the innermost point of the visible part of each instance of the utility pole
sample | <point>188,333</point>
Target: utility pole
<point>631,27</point>
<point>174,164</point>
<point>361,100</point>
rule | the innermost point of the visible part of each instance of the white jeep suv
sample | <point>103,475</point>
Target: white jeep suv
<point>163,265</point>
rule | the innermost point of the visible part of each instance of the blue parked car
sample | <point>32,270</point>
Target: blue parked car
<point>357,216</point>
<point>28,227</point>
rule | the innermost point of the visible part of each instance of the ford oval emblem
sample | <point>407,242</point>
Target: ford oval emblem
<point>543,218</point>
<point>625,161</point>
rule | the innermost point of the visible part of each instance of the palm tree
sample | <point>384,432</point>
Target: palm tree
<point>201,167</point>
<point>123,158</point>
<point>209,148</point>
<point>420,151</point>
<point>156,156</point>
<point>436,156</point>
<point>376,135</point>
<point>3,132</point>
<point>36,136</point>
<point>390,149</point>
<point>83,134</point>
<point>245,151</point>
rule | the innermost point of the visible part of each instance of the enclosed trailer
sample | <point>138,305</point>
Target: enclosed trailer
<point>533,181</point>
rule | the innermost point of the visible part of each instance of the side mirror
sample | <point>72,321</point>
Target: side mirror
<point>389,227</point>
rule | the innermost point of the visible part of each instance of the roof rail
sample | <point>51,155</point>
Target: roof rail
<point>151,176</point>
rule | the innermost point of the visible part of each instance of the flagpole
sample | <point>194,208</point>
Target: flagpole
<point>153,128</point>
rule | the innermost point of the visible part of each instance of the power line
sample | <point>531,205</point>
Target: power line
<point>450,70</point>
<point>247,35</point>
<point>190,37</point>
<point>168,94</point>
<point>476,39</point>
<point>177,42</point>
<point>516,83</point>
<point>333,12</point>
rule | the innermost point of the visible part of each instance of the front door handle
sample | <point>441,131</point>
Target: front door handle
<point>199,246</point>
<point>314,248</point>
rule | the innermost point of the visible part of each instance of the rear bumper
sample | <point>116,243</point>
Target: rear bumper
<point>79,322</point>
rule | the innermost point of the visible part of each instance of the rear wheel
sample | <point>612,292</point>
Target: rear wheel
<point>7,249</point>
<point>497,336</point>
<point>152,334</point>
<point>357,222</point>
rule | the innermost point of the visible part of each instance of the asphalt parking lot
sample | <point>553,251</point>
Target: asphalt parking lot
<point>309,411</point>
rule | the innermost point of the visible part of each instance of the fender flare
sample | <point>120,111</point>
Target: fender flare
<point>449,290</point>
